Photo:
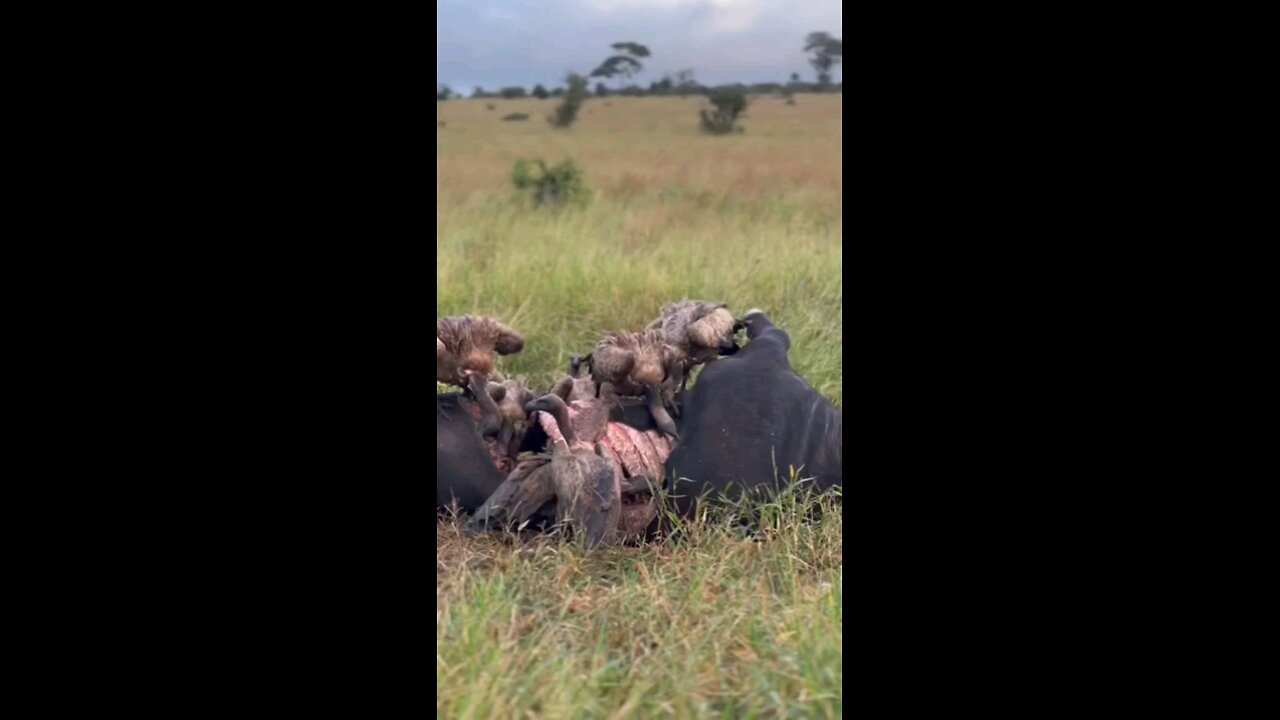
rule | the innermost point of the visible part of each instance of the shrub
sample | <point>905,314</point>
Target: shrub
<point>567,111</point>
<point>729,105</point>
<point>513,117</point>
<point>553,186</point>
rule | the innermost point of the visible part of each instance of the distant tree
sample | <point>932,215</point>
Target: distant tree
<point>631,48</point>
<point>512,92</point>
<point>557,92</point>
<point>619,66</point>
<point>601,90</point>
<point>478,92</point>
<point>443,92</point>
<point>567,111</point>
<point>685,84</point>
<point>625,64</point>
<point>540,92</point>
<point>789,90</point>
<point>825,53</point>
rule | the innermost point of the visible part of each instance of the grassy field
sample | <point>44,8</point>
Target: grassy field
<point>714,624</point>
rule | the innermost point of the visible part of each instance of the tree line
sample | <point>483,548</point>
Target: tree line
<point>655,89</point>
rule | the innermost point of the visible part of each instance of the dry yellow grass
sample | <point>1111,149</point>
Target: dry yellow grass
<point>644,146</point>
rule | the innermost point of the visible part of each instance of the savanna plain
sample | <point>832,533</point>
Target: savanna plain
<point>713,620</point>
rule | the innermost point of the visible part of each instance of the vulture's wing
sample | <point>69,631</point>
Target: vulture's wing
<point>611,363</point>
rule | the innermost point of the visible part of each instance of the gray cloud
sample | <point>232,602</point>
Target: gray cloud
<point>503,42</point>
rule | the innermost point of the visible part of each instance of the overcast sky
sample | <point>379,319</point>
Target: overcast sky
<point>492,43</point>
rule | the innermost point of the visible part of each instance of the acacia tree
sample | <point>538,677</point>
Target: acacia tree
<point>685,83</point>
<point>625,64</point>
<point>825,52</point>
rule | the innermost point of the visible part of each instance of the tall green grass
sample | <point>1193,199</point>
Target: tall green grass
<point>717,621</point>
<point>562,278</point>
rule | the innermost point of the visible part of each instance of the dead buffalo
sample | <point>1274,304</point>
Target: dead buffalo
<point>465,469</point>
<point>748,419</point>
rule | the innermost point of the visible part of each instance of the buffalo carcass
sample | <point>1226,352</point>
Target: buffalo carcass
<point>487,420</point>
<point>749,419</point>
<point>746,415</point>
<point>465,469</point>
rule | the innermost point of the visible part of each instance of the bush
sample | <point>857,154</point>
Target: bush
<point>729,106</point>
<point>567,111</point>
<point>553,186</point>
<point>513,117</point>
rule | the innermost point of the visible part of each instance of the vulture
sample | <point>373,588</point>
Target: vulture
<point>509,398</point>
<point>699,331</point>
<point>638,364</point>
<point>465,347</point>
<point>585,481</point>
